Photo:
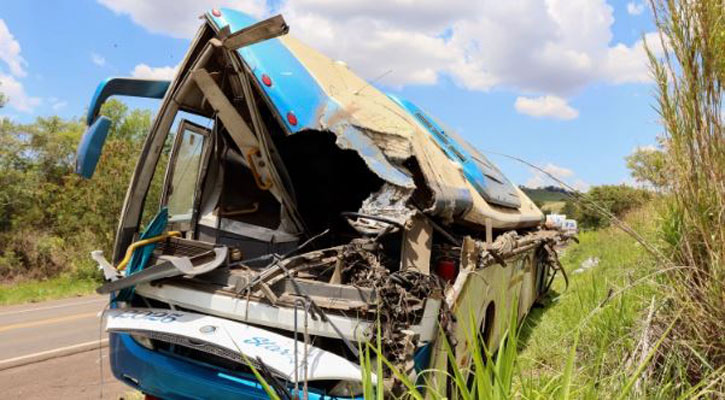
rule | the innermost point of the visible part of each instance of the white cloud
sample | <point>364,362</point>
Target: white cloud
<point>10,51</point>
<point>551,47</point>
<point>625,64</point>
<point>98,59</point>
<point>144,71</point>
<point>634,8</point>
<point>57,104</point>
<point>545,106</point>
<point>17,98</point>
<point>557,171</point>
<point>13,89</point>
<point>177,18</point>
<point>539,178</point>
<point>400,36</point>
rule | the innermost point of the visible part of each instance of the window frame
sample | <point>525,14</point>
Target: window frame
<point>184,125</point>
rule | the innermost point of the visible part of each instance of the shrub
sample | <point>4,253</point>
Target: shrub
<point>617,199</point>
<point>50,219</point>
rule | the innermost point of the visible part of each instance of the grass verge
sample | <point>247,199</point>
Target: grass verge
<point>602,317</point>
<point>41,290</point>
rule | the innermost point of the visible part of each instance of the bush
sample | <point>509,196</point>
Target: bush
<point>617,199</point>
<point>50,219</point>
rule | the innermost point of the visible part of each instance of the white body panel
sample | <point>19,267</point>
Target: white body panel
<point>277,351</point>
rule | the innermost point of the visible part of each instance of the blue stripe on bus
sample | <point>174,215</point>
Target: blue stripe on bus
<point>451,147</point>
<point>293,89</point>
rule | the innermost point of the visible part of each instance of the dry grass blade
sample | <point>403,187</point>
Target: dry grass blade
<point>689,73</point>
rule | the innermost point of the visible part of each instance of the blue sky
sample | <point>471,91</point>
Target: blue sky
<point>563,86</point>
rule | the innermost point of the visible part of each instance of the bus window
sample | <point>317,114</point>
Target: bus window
<point>188,159</point>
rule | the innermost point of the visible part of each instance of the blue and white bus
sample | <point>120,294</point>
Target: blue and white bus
<point>303,213</point>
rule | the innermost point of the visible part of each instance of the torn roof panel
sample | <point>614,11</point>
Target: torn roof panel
<point>311,91</point>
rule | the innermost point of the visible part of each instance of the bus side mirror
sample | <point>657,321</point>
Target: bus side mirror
<point>90,147</point>
<point>89,150</point>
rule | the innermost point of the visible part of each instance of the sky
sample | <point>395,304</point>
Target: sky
<point>562,84</point>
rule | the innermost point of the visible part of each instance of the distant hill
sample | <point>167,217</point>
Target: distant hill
<point>546,194</point>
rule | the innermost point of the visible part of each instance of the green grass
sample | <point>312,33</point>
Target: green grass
<point>54,288</point>
<point>603,310</point>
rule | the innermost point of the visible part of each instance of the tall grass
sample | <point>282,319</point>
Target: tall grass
<point>490,375</point>
<point>497,374</point>
<point>689,75</point>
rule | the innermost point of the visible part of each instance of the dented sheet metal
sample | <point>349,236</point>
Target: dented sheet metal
<point>312,92</point>
<point>391,203</point>
<point>352,138</point>
<point>487,179</point>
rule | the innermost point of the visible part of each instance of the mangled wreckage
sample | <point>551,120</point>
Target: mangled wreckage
<point>303,214</point>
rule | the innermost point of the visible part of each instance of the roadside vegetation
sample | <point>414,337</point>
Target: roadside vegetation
<point>616,200</point>
<point>587,341</point>
<point>690,81</point>
<point>51,219</point>
<point>35,290</point>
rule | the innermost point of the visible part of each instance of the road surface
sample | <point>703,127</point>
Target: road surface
<point>51,350</point>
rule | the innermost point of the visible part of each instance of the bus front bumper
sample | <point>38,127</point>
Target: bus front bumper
<point>168,376</point>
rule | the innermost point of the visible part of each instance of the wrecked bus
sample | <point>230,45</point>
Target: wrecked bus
<point>303,214</point>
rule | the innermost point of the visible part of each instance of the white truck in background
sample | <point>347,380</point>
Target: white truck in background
<point>562,223</point>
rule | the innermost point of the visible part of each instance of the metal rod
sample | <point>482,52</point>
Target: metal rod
<point>305,391</point>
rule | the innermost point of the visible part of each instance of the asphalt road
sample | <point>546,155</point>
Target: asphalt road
<point>51,350</point>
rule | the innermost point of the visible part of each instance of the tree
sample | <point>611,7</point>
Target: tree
<point>570,210</point>
<point>648,166</point>
<point>50,218</point>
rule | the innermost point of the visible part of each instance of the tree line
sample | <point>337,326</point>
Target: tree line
<point>50,218</point>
